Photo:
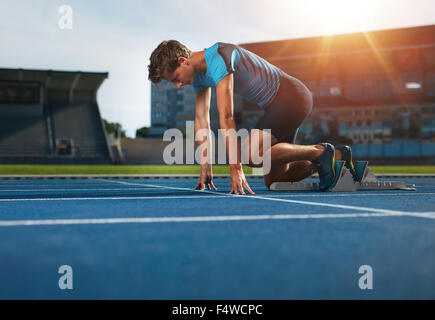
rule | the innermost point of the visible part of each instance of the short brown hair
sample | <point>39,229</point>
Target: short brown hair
<point>165,59</point>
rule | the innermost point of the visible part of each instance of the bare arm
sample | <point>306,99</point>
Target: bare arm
<point>202,118</point>
<point>225,95</point>
<point>202,131</point>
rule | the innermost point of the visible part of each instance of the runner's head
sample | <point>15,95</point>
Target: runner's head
<point>170,61</point>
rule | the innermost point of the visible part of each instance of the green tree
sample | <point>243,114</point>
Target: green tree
<point>142,132</point>
<point>114,127</point>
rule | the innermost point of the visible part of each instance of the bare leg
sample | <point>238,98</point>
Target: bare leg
<point>289,162</point>
<point>289,172</point>
<point>283,152</point>
<point>296,170</point>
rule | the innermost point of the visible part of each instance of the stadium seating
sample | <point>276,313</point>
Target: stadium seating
<point>22,130</point>
<point>51,117</point>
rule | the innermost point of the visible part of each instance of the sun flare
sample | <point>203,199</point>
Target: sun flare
<point>341,16</point>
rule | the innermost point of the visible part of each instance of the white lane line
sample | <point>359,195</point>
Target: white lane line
<point>112,198</point>
<point>49,185</point>
<point>429,215</point>
<point>14,223</point>
<point>359,194</point>
<point>272,196</point>
<point>81,189</point>
<point>250,196</point>
<point>155,186</point>
<point>128,198</point>
<point>358,208</point>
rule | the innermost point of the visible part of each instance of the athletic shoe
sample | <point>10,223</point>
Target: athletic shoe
<point>346,156</point>
<point>325,165</point>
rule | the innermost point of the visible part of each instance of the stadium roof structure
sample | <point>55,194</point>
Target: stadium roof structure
<point>423,36</point>
<point>55,79</point>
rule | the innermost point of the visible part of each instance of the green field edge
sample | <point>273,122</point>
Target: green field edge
<point>166,169</point>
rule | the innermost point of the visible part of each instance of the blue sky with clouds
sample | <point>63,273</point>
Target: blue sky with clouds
<point>119,36</point>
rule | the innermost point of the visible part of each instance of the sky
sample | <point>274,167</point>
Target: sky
<point>118,36</point>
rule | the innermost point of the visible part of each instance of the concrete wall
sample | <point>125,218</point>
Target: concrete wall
<point>150,151</point>
<point>143,150</point>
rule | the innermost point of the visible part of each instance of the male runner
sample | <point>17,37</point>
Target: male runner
<point>285,99</point>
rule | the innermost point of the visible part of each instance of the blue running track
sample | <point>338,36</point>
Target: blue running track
<point>160,239</point>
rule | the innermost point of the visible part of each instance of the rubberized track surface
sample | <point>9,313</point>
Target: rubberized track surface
<point>160,239</point>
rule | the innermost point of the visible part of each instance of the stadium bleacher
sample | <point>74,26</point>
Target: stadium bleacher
<point>21,124</point>
<point>41,108</point>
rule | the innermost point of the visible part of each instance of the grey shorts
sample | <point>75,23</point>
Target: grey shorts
<point>291,105</point>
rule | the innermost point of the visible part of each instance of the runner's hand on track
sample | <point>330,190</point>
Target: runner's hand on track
<point>205,179</point>
<point>238,181</point>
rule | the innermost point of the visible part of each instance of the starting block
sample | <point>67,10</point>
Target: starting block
<point>344,181</point>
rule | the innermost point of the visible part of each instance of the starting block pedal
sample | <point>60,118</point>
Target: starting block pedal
<point>344,181</point>
<point>368,180</point>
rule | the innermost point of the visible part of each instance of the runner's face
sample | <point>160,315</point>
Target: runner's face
<point>183,75</point>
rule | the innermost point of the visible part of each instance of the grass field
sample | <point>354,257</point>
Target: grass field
<point>166,169</point>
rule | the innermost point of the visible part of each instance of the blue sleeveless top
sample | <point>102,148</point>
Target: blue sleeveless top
<point>255,79</point>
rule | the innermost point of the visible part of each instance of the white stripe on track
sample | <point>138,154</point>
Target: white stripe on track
<point>429,215</point>
<point>341,206</point>
<point>154,186</point>
<point>50,185</point>
<point>14,223</point>
<point>363,194</point>
<point>81,189</point>
<point>250,196</point>
<point>112,198</point>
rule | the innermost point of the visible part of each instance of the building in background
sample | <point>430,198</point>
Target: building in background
<point>172,107</point>
<point>374,90</point>
<point>51,117</point>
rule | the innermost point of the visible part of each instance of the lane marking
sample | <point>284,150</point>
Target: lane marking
<point>216,195</point>
<point>112,198</point>
<point>81,189</point>
<point>341,206</point>
<point>272,196</point>
<point>378,212</point>
<point>429,215</point>
<point>250,196</point>
<point>353,194</point>
<point>155,186</point>
<point>54,184</point>
<point>15,223</point>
